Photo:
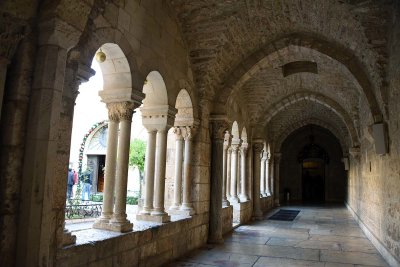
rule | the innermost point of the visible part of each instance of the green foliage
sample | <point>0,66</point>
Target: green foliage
<point>131,200</point>
<point>137,153</point>
<point>96,197</point>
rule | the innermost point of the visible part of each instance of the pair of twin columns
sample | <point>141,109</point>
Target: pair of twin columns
<point>229,171</point>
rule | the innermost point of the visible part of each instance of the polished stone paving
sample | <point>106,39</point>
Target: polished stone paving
<point>320,236</point>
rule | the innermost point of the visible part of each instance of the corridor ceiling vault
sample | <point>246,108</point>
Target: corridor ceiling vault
<point>237,50</point>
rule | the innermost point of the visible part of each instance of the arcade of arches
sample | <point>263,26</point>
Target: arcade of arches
<point>247,104</point>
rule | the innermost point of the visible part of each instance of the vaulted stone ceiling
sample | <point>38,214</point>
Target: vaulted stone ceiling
<point>238,47</point>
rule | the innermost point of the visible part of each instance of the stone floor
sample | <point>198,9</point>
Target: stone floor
<point>319,236</point>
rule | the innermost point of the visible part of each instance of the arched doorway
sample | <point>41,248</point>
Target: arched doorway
<point>313,159</point>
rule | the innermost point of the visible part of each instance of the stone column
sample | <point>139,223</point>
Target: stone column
<point>178,168</point>
<point>234,170</point>
<point>243,160</point>
<point>228,172</point>
<point>159,176</point>
<point>272,172</point>
<point>225,202</point>
<point>257,149</point>
<point>186,203</point>
<point>3,73</point>
<point>110,170</point>
<point>277,161</point>
<point>119,222</point>
<point>218,127</point>
<point>269,176</point>
<point>149,172</point>
<point>262,175</point>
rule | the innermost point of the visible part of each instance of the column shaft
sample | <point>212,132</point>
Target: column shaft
<point>225,202</point>
<point>187,204</point>
<point>121,183</point>
<point>178,169</point>
<point>160,173</point>
<point>276,176</point>
<point>228,172</point>
<point>149,172</point>
<point>262,177</point>
<point>243,159</point>
<point>234,161</point>
<point>109,178</point>
<point>268,178</point>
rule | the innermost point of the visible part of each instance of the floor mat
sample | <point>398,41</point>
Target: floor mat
<point>284,215</point>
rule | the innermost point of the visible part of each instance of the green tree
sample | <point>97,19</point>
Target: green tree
<point>137,153</point>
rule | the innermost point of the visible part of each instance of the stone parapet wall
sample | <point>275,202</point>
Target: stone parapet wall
<point>151,247</point>
<point>227,215</point>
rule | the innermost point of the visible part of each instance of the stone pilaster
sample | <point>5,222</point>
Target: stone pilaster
<point>41,185</point>
<point>257,150</point>
<point>269,176</point>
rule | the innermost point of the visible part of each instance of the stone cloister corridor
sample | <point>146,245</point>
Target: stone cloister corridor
<point>323,236</point>
<point>247,105</point>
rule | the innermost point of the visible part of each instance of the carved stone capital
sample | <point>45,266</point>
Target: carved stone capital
<point>120,111</point>
<point>243,148</point>
<point>178,133</point>
<point>188,132</point>
<point>227,137</point>
<point>258,147</point>
<point>218,127</point>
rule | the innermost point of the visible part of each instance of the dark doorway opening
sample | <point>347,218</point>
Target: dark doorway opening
<point>313,180</point>
<point>97,163</point>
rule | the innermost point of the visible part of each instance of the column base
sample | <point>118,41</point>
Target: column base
<point>121,227</point>
<point>257,215</point>
<point>215,240</point>
<point>234,200</point>
<point>173,208</point>
<point>243,198</point>
<point>264,194</point>
<point>68,238</point>
<point>225,203</point>
<point>154,218</point>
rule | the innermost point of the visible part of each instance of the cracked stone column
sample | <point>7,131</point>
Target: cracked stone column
<point>257,149</point>
<point>243,159</point>
<point>149,172</point>
<point>110,169</point>
<point>119,222</point>
<point>262,175</point>
<point>159,176</point>
<point>187,205</point>
<point>178,168</point>
<point>225,202</point>
<point>277,161</point>
<point>234,170</point>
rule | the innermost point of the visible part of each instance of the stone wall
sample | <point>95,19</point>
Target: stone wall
<point>374,180</point>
